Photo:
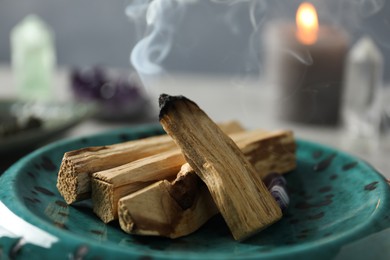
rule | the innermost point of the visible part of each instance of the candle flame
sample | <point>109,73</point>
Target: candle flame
<point>307,24</point>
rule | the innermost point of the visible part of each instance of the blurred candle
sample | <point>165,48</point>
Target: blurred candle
<point>33,58</point>
<point>305,63</point>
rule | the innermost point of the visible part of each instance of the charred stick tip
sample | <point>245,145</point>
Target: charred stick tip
<point>165,101</point>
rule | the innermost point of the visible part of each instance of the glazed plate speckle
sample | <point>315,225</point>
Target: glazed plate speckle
<point>335,199</point>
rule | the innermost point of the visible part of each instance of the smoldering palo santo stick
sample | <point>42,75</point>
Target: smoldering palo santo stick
<point>73,180</point>
<point>178,208</point>
<point>240,195</point>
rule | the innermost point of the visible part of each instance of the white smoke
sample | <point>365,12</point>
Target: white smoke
<point>158,22</point>
<point>160,18</point>
<point>369,8</point>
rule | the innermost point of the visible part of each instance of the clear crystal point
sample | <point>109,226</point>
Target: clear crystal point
<point>33,58</point>
<point>363,87</point>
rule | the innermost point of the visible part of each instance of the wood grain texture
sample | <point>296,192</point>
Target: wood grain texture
<point>73,180</point>
<point>187,203</point>
<point>130,177</point>
<point>169,209</point>
<point>110,185</point>
<point>74,176</point>
<point>240,195</point>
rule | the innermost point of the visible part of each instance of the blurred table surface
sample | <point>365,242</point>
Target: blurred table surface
<point>224,98</point>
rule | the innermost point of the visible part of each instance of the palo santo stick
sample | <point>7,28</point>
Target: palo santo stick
<point>269,152</point>
<point>73,180</point>
<point>110,185</point>
<point>168,209</point>
<point>178,208</point>
<point>240,195</point>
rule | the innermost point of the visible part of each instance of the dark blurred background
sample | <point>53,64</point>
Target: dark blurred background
<point>211,37</point>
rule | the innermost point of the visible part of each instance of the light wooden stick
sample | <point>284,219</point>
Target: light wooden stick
<point>178,208</point>
<point>73,180</point>
<point>269,152</point>
<point>168,209</point>
<point>110,185</point>
<point>240,195</point>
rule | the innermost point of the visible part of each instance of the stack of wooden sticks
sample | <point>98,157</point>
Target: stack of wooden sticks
<point>170,185</point>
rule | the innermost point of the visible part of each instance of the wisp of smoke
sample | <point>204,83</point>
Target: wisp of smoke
<point>158,21</point>
<point>161,18</point>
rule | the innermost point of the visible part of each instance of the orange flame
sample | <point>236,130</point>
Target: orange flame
<point>307,24</point>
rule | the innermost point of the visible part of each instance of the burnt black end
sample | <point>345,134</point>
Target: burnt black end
<point>165,101</point>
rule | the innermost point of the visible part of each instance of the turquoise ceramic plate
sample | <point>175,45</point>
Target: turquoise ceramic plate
<point>335,199</point>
